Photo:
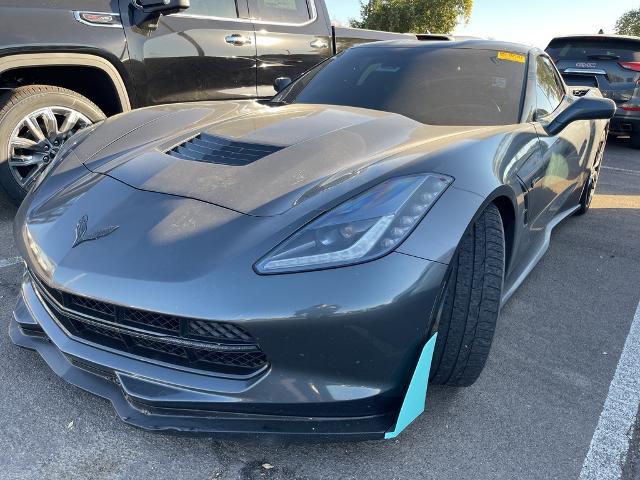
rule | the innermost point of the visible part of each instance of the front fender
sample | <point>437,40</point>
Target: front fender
<point>437,237</point>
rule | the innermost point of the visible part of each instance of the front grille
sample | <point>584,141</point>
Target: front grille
<point>224,151</point>
<point>192,343</point>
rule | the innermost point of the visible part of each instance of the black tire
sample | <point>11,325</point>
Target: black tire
<point>470,303</point>
<point>590,184</point>
<point>20,102</point>
<point>635,140</point>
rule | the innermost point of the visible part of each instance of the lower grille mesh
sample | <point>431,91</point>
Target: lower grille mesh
<point>197,344</point>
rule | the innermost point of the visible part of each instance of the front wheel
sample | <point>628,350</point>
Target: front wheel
<point>35,121</point>
<point>470,303</point>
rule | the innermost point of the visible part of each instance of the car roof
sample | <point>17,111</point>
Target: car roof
<point>472,44</point>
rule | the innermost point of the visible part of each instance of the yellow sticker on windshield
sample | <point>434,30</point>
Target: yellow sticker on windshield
<point>512,57</point>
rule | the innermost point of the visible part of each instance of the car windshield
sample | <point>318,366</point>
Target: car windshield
<point>597,48</point>
<point>437,86</point>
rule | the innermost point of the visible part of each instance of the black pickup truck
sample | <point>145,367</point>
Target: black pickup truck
<point>67,64</point>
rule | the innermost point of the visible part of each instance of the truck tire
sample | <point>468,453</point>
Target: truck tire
<point>470,303</point>
<point>35,121</point>
<point>635,140</point>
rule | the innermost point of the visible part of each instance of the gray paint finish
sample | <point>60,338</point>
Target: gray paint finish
<point>341,342</point>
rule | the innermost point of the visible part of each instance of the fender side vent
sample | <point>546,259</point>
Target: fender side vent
<point>223,151</point>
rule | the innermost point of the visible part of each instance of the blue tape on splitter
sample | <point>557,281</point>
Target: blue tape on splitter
<point>413,404</point>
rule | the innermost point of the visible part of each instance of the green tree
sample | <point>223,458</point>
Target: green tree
<point>629,23</point>
<point>417,16</point>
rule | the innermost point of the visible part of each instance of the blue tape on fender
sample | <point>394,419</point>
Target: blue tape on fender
<point>413,404</point>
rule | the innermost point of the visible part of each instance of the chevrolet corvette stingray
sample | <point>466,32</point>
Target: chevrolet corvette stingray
<point>305,265</point>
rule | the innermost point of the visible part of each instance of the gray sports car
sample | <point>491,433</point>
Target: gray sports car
<point>305,265</point>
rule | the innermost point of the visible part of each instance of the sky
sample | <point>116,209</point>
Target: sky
<point>533,22</point>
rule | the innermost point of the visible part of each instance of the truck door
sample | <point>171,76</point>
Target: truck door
<point>291,37</point>
<point>207,52</point>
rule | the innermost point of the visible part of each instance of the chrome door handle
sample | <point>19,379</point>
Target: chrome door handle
<point>237,40</point>
<point>319,43</point>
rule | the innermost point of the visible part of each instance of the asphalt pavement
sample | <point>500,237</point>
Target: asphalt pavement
<point>531,415</point>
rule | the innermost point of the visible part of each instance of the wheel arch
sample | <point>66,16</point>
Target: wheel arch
<point>468,207</point>
<point>507,208</point>
<point>108,89</point>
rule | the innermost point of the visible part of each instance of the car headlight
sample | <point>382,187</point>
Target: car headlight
<point>363,228</point>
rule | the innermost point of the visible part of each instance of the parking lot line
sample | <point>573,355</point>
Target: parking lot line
<point>7,262</point>
<point>611,440</point>
<point>623,170</point>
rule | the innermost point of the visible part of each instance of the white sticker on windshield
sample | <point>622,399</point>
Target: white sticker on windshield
<point>281,4</point>
<point>498,82</point>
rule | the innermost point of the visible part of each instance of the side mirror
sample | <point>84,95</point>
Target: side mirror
<point>281,83</point>
<point>161,7</point>
<point>583,108</point>
<point>146,13</point>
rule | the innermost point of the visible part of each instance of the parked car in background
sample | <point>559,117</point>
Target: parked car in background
<point>609,62</point>
<point>67,64</point>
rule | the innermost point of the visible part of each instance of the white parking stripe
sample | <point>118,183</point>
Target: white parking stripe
<point>610,443</point>
<point>7,262</point>
<point>623,170</point>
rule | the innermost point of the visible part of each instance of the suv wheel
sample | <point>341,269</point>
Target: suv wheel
<point>635,140</point>
<point>35,121</point>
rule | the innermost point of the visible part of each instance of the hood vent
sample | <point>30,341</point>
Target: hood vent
<point>224,151</point>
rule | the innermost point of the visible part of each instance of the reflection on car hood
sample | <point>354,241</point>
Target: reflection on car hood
<point>249,157</point>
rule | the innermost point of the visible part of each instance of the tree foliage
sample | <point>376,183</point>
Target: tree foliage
<point>629,23</point>
<point>416,16</point>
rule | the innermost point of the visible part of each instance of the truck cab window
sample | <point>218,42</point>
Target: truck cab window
<point>281,11</point>
<point>213,8</point>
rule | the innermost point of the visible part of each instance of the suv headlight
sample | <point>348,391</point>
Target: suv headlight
<point>363,228</point>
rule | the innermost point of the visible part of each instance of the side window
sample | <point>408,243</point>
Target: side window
<point>281,11</point>
<point>549,89</point>
<point>213,8</point>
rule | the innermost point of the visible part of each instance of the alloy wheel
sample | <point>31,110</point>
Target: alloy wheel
<point>37,139</point>
<point>595,175</point>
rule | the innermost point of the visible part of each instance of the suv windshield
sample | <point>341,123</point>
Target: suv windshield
<point>437,86</point>
<point>596,48</point>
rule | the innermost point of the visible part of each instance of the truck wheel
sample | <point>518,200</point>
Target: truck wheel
<point>470,303</point>
<point>35,121</point>
<point>635,140</point>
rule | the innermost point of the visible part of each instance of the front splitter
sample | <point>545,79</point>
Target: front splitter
<point>112,386</point>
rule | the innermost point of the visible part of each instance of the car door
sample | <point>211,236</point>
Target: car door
<point>206,52</point>
<point>563,160</point>
<point>291,37</point>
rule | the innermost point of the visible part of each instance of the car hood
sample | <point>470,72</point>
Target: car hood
<point>292,150</point>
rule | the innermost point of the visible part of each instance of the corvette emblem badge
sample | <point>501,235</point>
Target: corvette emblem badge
<point>83,236</point>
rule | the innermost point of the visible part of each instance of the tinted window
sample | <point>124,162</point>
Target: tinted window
<point>549,89</point>
<point>285,11</point>
<point>438,86</point>
<point>594,49</point>
<point>213,8</point>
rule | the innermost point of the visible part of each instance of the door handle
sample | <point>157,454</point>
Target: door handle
<point>319,43</point>
<point>237,40</point>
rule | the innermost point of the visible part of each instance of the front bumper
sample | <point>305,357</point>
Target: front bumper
<point>282,401</point>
